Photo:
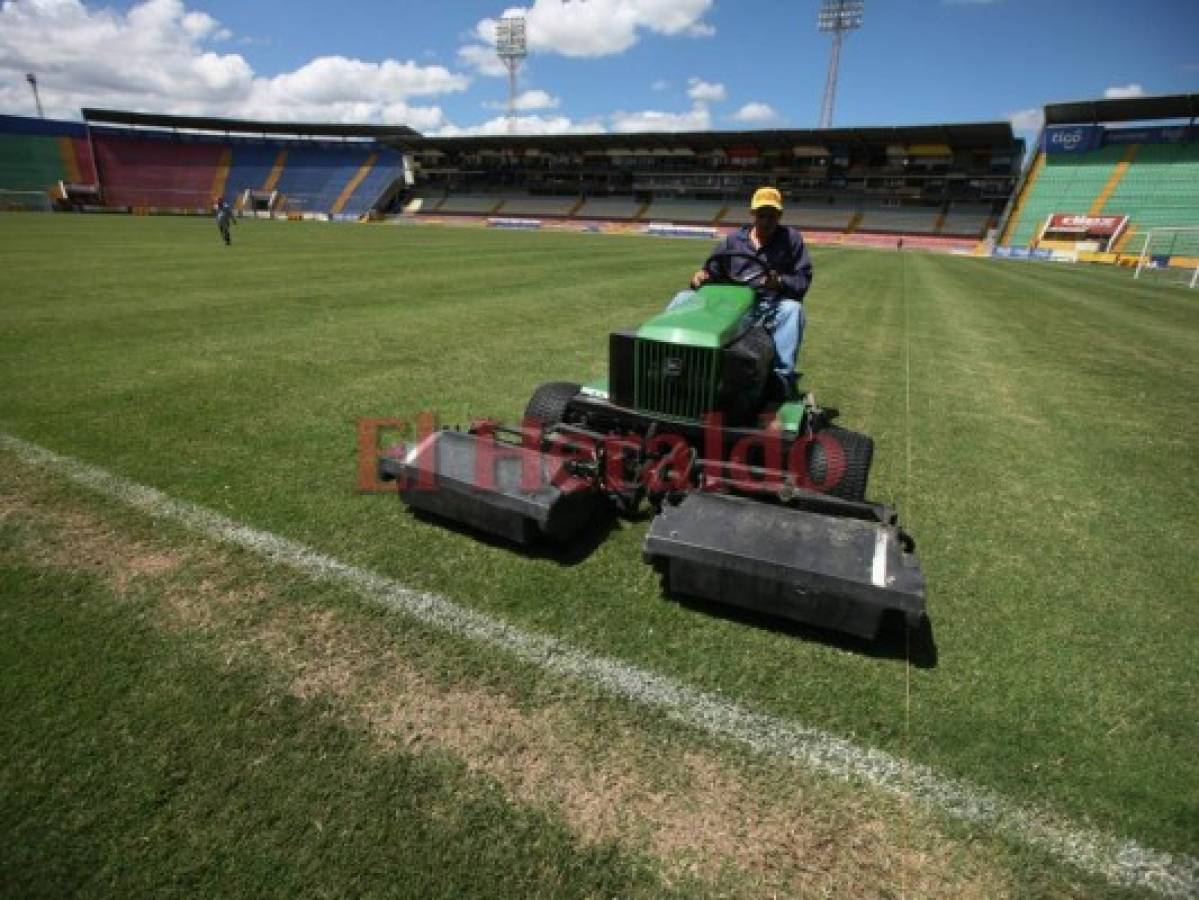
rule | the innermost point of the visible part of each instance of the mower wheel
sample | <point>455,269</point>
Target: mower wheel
<point>858,452</point>
<point>549,402</point>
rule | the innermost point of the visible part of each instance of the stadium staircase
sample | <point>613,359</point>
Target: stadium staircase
<point>360,176</point>
<point>1026,191</point>
<point>1112,183</point>
<point>221,178</point>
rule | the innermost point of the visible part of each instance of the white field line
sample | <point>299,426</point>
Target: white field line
<point>1120,861</point>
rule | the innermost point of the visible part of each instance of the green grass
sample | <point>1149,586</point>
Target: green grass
<point>147,768</point>
<point>1034,424</point>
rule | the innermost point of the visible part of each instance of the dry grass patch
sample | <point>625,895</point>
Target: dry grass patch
<point>746,829</point>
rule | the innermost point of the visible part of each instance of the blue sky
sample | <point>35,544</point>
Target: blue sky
<point>594,65</point>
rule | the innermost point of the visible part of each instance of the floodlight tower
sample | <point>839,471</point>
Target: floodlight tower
<point>32,79</point>
<point>511,47</point>
<point>837,17</point>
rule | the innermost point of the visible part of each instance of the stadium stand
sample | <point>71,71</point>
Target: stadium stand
<point>899,220</point>
<point>689,212</point>
<point>1160,188</point>
<point>157,172</point>
<point>36,154</point>
<point>471,204</point>
<point>387,170</point>
<point>826,217</point>
<point>1065,185</point>
<point>314,176</point>
<point>525,205</point>
<point>609,208</point>
<point>926,181</point>
<point>1086,166</point>
<point>252,166</point>
<point>969,219</point>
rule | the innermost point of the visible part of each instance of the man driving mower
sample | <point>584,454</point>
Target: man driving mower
<point>773,259</point>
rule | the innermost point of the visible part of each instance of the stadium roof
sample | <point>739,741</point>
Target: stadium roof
<point>985,134</point>
<point>1131,109</point>
<point>207,123</point>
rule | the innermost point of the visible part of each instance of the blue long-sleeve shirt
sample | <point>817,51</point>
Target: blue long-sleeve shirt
<point>785,252</point>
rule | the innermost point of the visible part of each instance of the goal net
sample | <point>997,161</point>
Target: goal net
<point>1170,254</point>
<point>25,201</point>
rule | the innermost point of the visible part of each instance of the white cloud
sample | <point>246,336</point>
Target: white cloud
<point>524,125</point>
<point>156,57</point>
<point>529,100</point>
<point>482,59</point>
<point>698,119</point>
<point>660,85</point>
<point>1124,91</point>
<point>704,92</point>
<point>1031,119</point>
<point>756,114</point>
<point>591,28</point>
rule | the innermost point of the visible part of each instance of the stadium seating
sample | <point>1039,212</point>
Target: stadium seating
<point>1160,188</point>
<point>820,218</point>
<point>967,219</point>
<point>690,212</point>
<point>315,175</point>
<point>36,154</point>
<point>251,168</point>
<point>609,208</point>
<point>1068,183</point>
<point>387,168</point>
<point>525,205</point>
<point>154,172</point>
<point>470,204</point>
<point>900,220</point>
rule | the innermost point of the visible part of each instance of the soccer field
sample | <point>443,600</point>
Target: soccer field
<point>1034,424</point>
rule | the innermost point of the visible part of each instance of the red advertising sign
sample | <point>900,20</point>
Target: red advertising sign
<point>1098,226</point>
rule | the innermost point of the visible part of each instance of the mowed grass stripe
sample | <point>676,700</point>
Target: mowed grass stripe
<point>1121,861</point>
<point>1049,567</point>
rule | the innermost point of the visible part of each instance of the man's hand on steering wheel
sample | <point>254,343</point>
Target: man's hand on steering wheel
<point>758,275</point>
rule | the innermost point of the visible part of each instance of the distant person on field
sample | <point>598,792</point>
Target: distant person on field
<point>788,275</point>
<point>224,216</point>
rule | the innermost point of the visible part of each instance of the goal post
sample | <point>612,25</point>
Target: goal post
<point>1170,254</point>
<point>25,201</point>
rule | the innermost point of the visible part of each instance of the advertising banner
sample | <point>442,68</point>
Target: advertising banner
<point>1072,138</point>
<point>497,222</point>
<point>1167,134</point>
<point>1099,226</point>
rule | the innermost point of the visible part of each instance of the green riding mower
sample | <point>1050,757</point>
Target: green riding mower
<point>759,500</point>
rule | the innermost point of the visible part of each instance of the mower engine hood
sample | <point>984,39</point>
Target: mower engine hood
<point>710,319</point>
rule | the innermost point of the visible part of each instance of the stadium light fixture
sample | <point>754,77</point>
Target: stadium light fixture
<point>32,79</point>
<point>837,17</point>
<point>511,47</point>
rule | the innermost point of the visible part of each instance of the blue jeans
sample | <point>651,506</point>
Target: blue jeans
<point>785,322</point>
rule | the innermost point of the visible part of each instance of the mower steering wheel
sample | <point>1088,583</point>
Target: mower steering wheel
<point>717,266</point>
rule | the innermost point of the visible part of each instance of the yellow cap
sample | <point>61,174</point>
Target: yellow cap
<point>767,196</point>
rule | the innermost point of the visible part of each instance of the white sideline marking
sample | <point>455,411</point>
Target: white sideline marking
<point>1121,861</point>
